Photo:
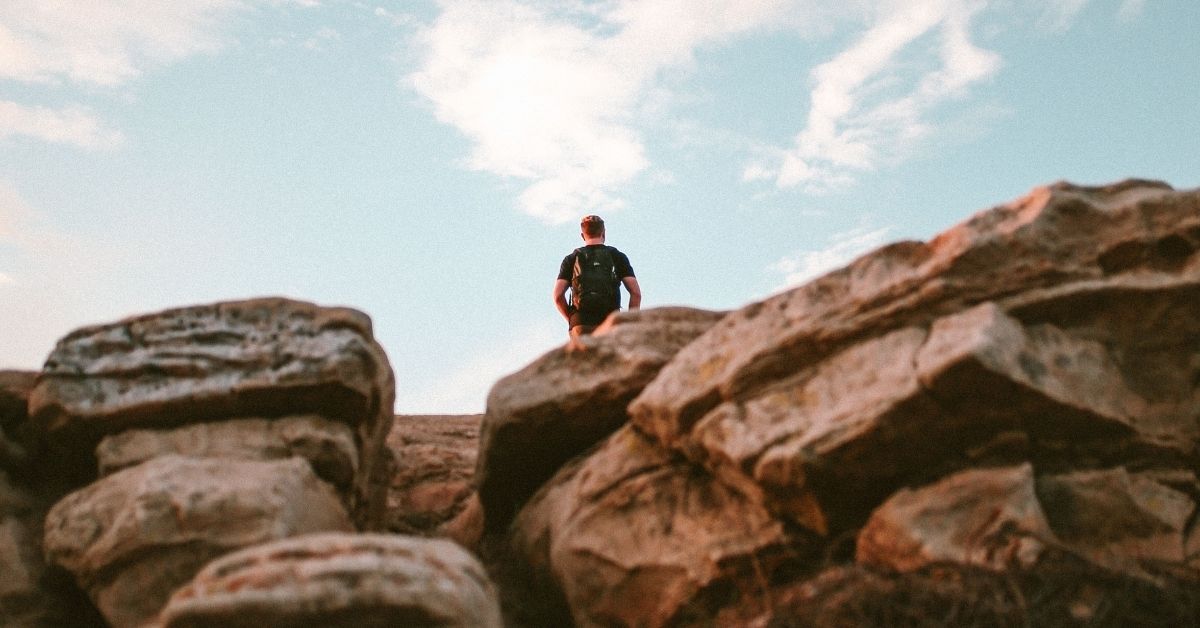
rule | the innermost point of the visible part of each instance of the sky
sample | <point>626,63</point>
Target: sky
<point>428,162</point>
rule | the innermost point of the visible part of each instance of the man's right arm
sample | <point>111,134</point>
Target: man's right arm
<point>560,298</point>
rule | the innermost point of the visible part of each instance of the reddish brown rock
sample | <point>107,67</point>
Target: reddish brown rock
<point>633,536</point>
<point>327,446</point>
<point>258,358</point>
<point>133,537</point>
<point>1058,245</point>
<point>1118,519</point>
<point>985,517</point>
<point>566,401</point>
<point>339,580</point>
<point>1047,329</point>
<point>431,487</point>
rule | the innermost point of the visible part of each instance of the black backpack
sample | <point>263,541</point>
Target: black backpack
<point>594,281</point>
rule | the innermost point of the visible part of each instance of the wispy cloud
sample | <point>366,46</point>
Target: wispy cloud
<point>866,105</point>
<point>102,42</point>
<point>551,96</point>
<point>73,125</point>
<point>804,266</point>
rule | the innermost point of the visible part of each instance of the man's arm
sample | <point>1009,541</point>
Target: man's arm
<point>635,292</point>
<point>560,298</point>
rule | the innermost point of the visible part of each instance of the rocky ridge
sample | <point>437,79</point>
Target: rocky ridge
<point>999,426</point>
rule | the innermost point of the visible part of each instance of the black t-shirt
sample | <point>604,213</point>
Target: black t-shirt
<point>623,268</point>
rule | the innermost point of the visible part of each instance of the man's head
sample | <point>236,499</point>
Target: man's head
<point>591,226</point>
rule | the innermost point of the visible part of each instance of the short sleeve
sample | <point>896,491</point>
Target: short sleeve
<point>623,267</point>
<point>567,268</point>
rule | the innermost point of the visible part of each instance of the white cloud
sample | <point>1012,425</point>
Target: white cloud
<point>73,125</point>
<point>102,42</point>
<point>1057,15</point>
<point>551,94</point>
<point>804,266</point>
<point>862,109</point>
<point>1130,9</point>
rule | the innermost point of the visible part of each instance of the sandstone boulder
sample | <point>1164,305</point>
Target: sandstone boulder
<point>258,358</point>
<point>633,536</point>
<point>567,401</point>
<point>326,445</point>
<point>339,580</point>
<point>431,491</point>
<point>1048,329</point>
<point>133,537</point>
<point>985,517</point>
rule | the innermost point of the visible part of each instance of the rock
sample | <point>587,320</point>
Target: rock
<point>1049,329</point>
<point>31,594</point>
<point>327,446</point>
<point>1064,239</point>
<point>633,536</point>
<point>258,358</point>
<point>985,517</point>
<point>565,402</point>
<point>15,387</point>
<point>431,487</point>
<point>339,580</point>
<point>132,538</point>
<point>1118,519</point>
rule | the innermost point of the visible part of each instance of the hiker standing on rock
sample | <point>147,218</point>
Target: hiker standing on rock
<point>594,273</point>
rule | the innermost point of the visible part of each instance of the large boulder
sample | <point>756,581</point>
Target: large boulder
<point>327,445</point>
<point>631,535</point>
<point>339,581</point>
<point>566,401</point>
<point>259,358</point>
<point>132,538</point>
<point>431,491</point>
<point>1049,329</point>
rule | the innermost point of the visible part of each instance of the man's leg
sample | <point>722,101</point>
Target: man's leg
<point>575,344</point>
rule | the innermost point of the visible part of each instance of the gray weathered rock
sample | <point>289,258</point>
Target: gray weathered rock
<point>326,445</point>
<point>339,580</point>
<point>566,401</point>
<point>133,537</point>
<point>633,536</point>
<point>257,358</point>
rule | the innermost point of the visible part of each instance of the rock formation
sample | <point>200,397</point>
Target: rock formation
<point>1000,426</point>
<point>567,401</point>
<point>339,580</point>
<point>431,492</point>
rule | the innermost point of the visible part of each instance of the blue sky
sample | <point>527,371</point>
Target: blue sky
<point>427,162</point>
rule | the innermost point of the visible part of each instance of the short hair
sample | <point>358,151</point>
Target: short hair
<point>592,225</point>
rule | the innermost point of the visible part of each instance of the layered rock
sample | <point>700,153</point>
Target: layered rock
<point>633,536</point>
<point>258,358</point>
<point>133,537</point>
<point>339,580</point>
<point>566,401</point>
<point>431,492</point>
<point>328,446</point>
<point>1053,329</point>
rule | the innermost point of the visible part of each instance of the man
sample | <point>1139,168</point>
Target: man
<point>594,273</point>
